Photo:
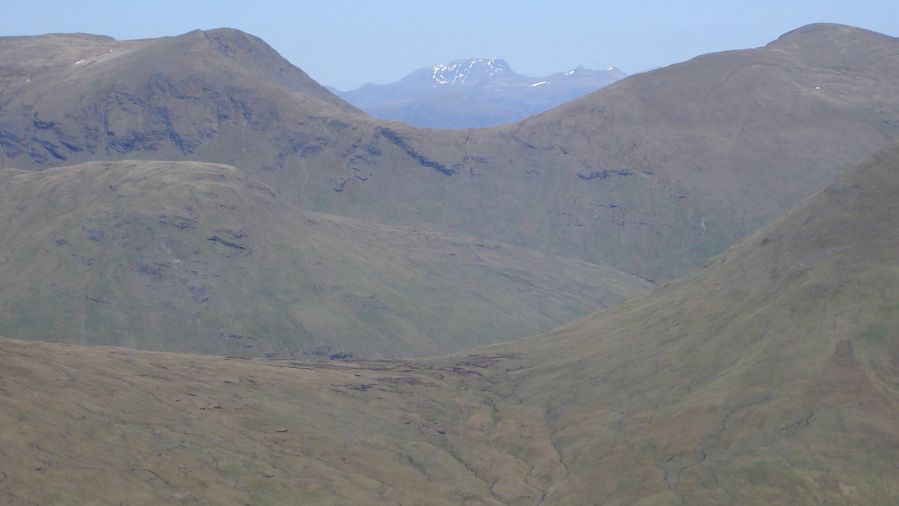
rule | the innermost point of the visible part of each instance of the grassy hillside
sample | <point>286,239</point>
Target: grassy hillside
<point>653,174</point>
<point>187,256</point>
<point>769,377</point>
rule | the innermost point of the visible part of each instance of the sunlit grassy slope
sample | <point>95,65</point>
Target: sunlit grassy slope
<point>769,377</point>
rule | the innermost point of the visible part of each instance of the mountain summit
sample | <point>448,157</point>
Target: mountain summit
<point>469,72</point>
<point>474,92</point>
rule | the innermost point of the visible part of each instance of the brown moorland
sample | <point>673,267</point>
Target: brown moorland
<point>771,376</point>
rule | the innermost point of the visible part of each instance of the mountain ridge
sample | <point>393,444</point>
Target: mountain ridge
<point>652,174</point>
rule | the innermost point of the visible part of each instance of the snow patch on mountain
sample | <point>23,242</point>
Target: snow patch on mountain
<point>475,93</point>
<point>461,72</point>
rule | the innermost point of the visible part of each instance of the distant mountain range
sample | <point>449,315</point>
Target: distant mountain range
<point>473,93</point>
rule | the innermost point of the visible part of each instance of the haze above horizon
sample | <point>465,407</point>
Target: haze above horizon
<point>344,44</point>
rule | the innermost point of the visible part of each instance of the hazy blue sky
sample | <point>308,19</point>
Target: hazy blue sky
<point>346,43</point>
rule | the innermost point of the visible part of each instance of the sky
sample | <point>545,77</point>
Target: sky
<point>345,43</point>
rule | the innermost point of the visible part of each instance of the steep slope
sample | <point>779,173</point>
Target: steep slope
<point>189,256</point>
<point>769,377</point>
<point>744,134</point>
<point>653,174</point>
<point>474,93</point>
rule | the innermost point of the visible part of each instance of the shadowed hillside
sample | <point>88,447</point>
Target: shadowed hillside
<point>769,377</point>
<point>196,257</point>
<point>652,174</point>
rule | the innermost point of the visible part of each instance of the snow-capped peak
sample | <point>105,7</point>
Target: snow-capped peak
<point>467,71</point>
<point>582,70</point>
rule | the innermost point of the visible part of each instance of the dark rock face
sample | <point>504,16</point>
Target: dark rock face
<point>229,244</point>
<point>398,141</point>
<point>153,272</point>
<point>604,174</point>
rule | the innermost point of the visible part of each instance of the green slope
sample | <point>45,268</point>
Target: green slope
<point>188,256</point>
<point>769,377</point>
